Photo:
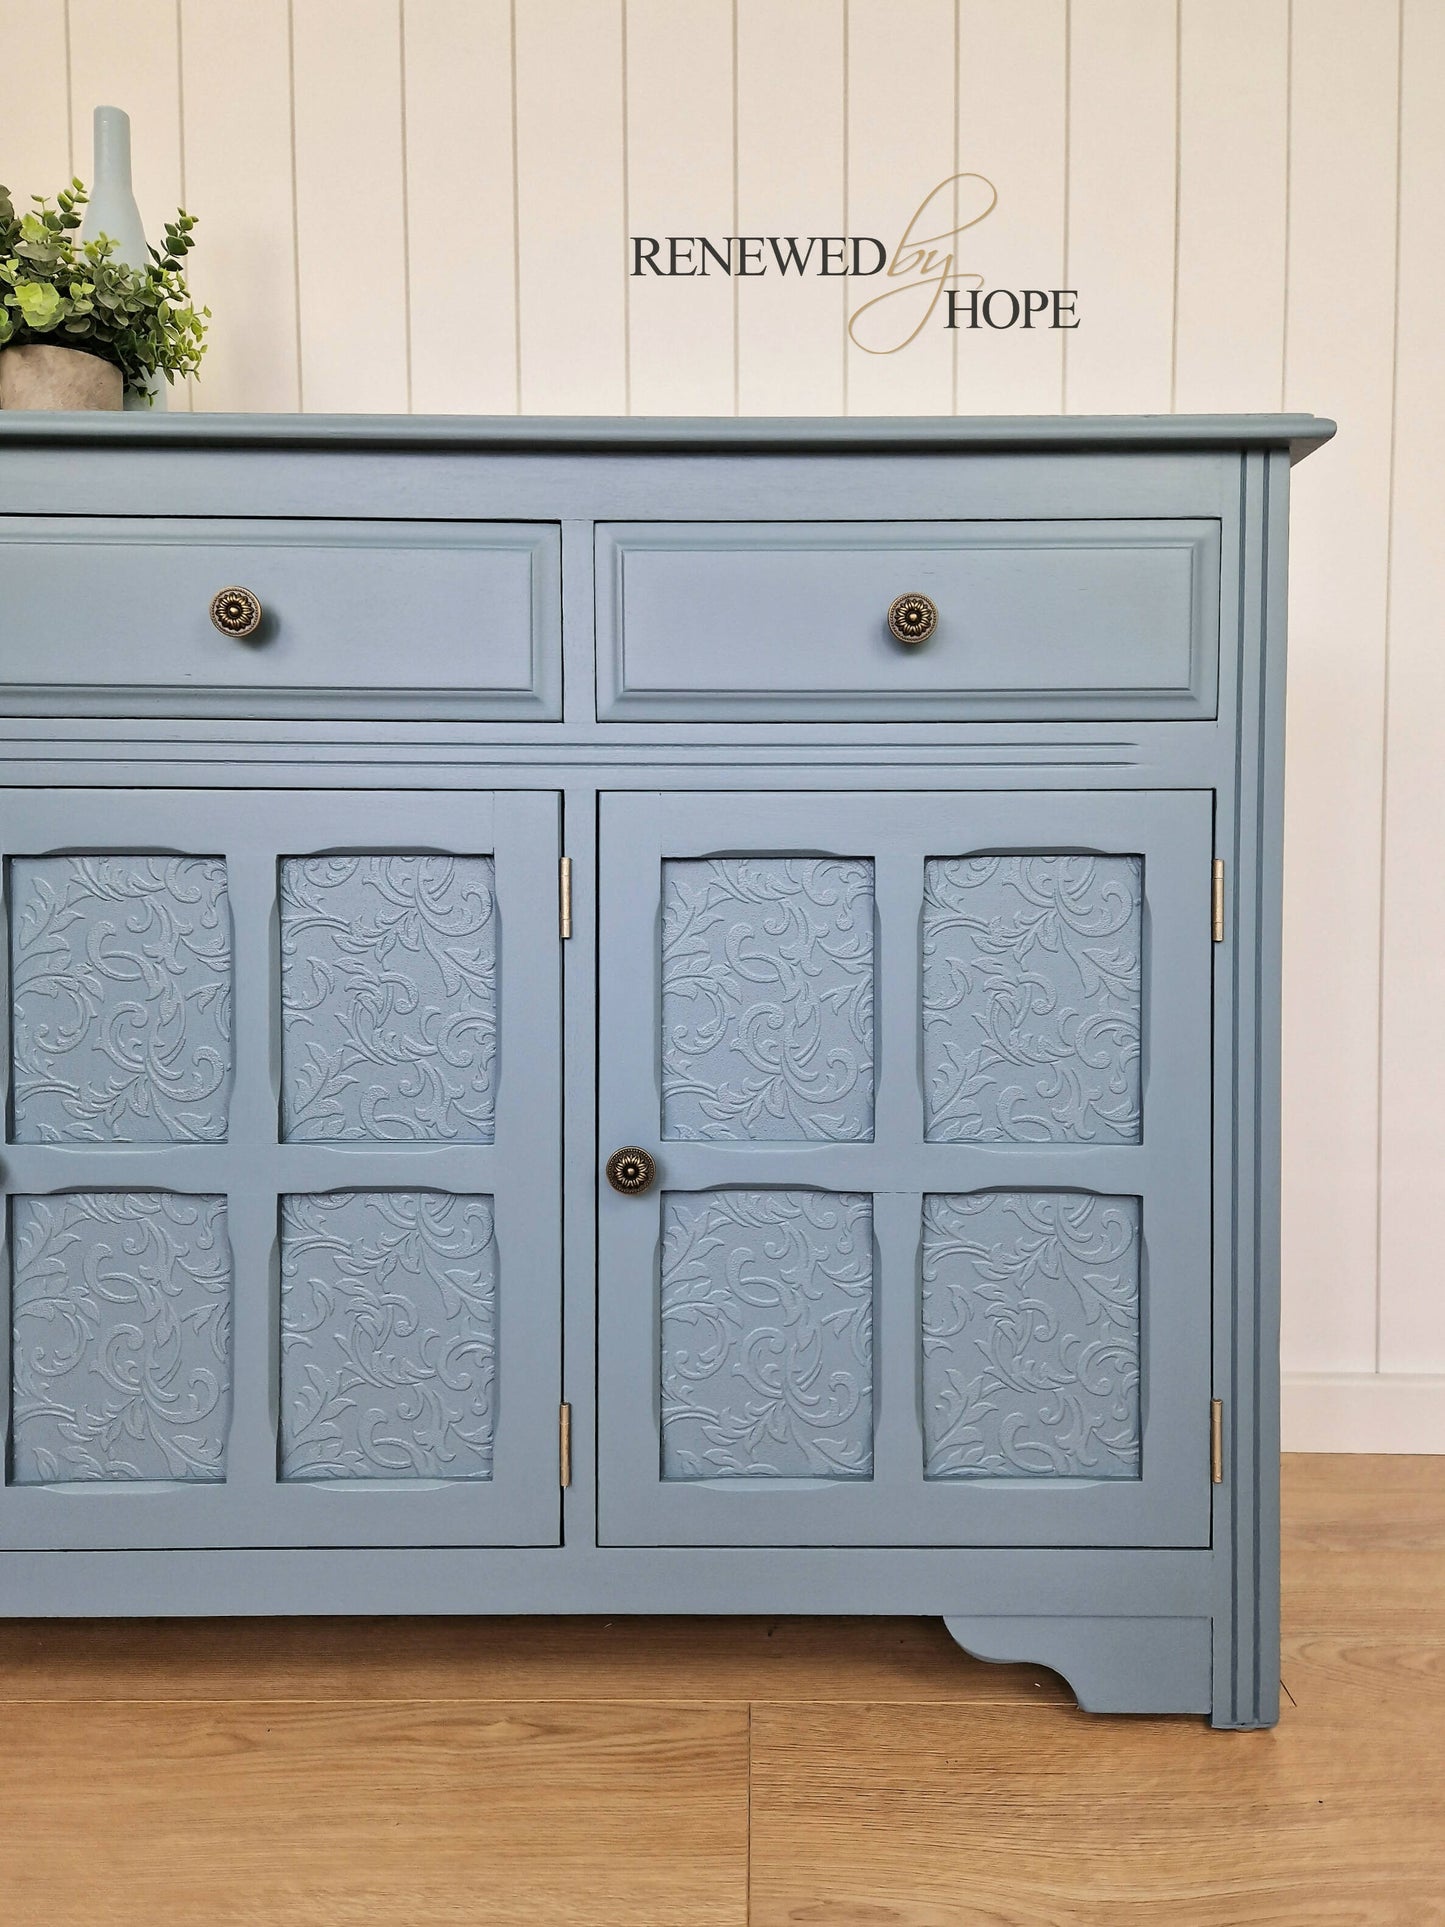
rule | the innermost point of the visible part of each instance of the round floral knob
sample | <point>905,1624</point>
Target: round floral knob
<point>631,1170</point>
<point>236,612</point>
<point>912,618</point>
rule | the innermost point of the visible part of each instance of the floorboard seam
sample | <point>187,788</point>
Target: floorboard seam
<point>730,1704</point>
<point>748,1858</point>
<point>729,1701</point>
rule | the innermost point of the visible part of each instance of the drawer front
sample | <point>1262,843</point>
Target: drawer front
<point>112,615</point>
<point>769,621</point>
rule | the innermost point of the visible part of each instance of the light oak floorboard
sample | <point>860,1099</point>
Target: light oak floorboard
<point>1364,1546</point>
<point>1336,1502</point>
<point>911,1816</point>
<point>1401,1594</point>
<point>325,1815</point>
<point>914,1816</point>
<point>857,1773</point>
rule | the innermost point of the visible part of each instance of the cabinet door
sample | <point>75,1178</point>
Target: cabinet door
<point>281,1169</point>
<point>926,1080</point>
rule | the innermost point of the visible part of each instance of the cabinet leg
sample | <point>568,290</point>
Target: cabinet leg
<point>1250,1717</point>
<point>1112,1665</point>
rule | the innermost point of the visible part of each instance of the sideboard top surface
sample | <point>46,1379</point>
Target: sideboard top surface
<point>549,434</point>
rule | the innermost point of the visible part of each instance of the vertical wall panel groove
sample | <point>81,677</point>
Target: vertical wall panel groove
<point>189,385</point>
<point>679,182</point>
<point>349,204</point>
<point>1288,185</point>
<point>130,57</point>
<point>790,181</point>
<point>1122,58</point>
<point>1341,328</point>
<point>627,231</point>
<point>35,156</point>
<point>1011,56</point>
<point>1233,199</point>
<point>1412,1306</point>
<point>900,147</point>
<point>405,196</point>
<point>956,194</point>
<point>571,210</point>
<point>733,64</point>
<point>237,126</point>
<point>1385,698</point>
<point>1178,164</point>
<point>843,347</point>
<point>1068,281</point>
<point>295,209</point>
<point>460,204</point>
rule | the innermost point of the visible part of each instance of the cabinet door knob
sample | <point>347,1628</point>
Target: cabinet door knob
<point>631,1170</point>
<point>912,617</point>
<point>236,612</point>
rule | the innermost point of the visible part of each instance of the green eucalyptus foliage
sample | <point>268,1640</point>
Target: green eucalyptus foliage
<point>74,294</point>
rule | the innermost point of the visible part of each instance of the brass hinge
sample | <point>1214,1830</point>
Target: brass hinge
<point>1216,1441</point>
<point>1217,917</point>
<point>564,1446</point>
<point>564,896</point>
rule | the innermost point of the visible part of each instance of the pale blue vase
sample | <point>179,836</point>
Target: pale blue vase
<point>113,211</point>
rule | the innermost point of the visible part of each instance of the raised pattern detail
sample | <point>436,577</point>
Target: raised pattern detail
<point>1030,1335</point>
<point>120,999</point>
<point>389,998</point>
<point>767,1335</point>
<point>388,1335</point>
<point>121,1343</point>
<point>1031,998</point>
<point>767,998</point>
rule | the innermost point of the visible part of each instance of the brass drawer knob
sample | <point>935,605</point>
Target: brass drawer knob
<point>631,1170</point>
<point>236,612</point>
<point>912,618</point>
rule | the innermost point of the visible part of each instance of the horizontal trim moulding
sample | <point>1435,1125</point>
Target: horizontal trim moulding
<point>690,435</point>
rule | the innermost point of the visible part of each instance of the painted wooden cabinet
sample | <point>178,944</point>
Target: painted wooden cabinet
<point>649,1017</point>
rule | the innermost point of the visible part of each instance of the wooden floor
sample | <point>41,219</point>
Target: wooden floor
<point>686,1773</point>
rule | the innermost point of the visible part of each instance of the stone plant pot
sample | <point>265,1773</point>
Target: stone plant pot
<point>39,376</point>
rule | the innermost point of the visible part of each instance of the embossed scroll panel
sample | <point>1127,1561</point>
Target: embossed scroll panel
<point>388,1335</point>
<point>767,998</point>
<point>121,1318</point>
<point>1031,1013</point>
<point>282,1170</point>
<point>120,999</point>
<point>389,998</point>
<point>1030,1335</point>
<point>927,1081</point>
<point>767,1335</point>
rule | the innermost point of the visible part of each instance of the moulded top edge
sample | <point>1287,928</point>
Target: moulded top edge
<point>774,434</point>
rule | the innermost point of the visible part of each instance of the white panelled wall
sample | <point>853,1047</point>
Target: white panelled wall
<point>423,204</point>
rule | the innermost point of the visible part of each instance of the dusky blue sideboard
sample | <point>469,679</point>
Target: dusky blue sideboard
<point>640,1016</point>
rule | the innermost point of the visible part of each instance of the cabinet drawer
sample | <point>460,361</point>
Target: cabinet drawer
<point>764,621</point>
<point>112,615</point>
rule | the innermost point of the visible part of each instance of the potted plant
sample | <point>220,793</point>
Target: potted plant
<point>77,327</point>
